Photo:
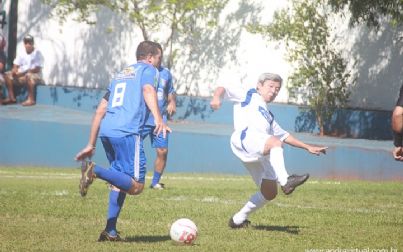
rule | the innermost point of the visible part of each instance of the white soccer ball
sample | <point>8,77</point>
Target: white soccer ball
<point>183,231</point>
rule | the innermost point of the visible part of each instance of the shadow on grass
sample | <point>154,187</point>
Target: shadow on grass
<point>147,238</point>
<point>287,229</point>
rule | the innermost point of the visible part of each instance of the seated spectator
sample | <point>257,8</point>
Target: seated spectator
<point>3,62</point>
<point>27,70</point>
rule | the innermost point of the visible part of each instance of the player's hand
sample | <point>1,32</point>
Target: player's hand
<point>317,150</point>
<point>171,109</point>
<point>215,103</point>
<point>398,153</point>
<point>161,127</point>
<point>87,152</point>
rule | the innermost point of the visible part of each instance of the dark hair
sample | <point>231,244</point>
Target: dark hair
<point>28,39</point>
<point>147,48</point>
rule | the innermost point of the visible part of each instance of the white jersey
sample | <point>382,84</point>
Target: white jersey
<point>253,124</point>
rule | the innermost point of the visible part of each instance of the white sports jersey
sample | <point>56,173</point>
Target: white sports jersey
<point>253,124</point>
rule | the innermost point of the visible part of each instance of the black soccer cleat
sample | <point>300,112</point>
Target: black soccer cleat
<point>293,182</point>
<point>244,224</point>
<point>104,236</point>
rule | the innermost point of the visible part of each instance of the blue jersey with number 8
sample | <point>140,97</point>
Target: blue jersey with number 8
<point>127,110</point>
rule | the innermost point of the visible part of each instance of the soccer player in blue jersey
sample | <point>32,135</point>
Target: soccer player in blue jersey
<point>120,115</point>
<point>167,106</point>
<point>258,142</point>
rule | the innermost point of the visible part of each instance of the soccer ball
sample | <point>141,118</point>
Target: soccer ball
<point>183,231</point>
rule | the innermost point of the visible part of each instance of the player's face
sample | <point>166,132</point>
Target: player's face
<point>269,90</point>
<point>155,60</point>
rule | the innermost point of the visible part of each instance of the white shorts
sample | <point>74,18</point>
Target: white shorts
<point>248,145</point>
<point>261,169</point>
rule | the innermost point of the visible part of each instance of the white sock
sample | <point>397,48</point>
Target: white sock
<point>277,162</point>
<point>255,202</point>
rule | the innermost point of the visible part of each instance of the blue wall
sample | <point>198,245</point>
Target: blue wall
<point>348,123</point>
<point>53,131</point>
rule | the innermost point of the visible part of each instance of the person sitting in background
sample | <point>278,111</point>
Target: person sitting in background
<point>3,61</point>
<point>397,127</point>
<point>27,70</point>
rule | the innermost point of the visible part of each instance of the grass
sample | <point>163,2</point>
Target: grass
<point>41,210</point>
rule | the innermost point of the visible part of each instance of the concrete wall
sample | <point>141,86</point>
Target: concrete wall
<point>348,123</point>
<point>53,131</point>
<point>83,55</point>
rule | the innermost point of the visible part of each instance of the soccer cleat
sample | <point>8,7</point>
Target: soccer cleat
<point>104,236</point>
<point>232,224</point>
<point>158,186</point>
<point>87,176</point>
<point>293,181</point>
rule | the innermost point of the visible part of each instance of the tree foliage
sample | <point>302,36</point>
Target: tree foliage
<point>320,75</point>
<point>371,12</point>
<point>168,21</point>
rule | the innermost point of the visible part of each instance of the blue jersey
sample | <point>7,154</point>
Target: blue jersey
<point>164,88</point>
<point>126,111</point>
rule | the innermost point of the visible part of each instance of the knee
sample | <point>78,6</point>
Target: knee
<point>272,142</point>
<point>136,189</point>
<point>162,152</point>
<point>268,188</point>
<point>269,195</point>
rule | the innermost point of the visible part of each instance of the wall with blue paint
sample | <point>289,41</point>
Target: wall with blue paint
<point>53,131</point>
<point>350,123</point>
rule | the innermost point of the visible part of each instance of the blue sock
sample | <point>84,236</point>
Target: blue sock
<point>116,200</point>
<point>156,178</point>
<point>118,179</point>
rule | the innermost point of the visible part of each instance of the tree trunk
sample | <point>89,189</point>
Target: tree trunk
<point>320,124</point>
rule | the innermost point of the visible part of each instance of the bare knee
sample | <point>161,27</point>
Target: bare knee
<point>136,188</point>
<point>271,143</point>
<point>162,152</point>
<point>268,189</point>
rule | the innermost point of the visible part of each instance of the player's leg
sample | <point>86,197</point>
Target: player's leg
<point>273,151</point>
<point>121,151</point>
<point>161,145</point>
<point>265,178</point>
<point>127,158</point>
<point>116,200</point>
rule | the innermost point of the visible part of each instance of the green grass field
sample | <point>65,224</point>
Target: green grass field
<point>41,210</point>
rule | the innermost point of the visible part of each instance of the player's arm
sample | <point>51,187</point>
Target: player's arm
<point>150,98</point>
<point>171,107</point>
<point>397,127</point>
<point>218,94</point>
<point>293,141</point>
<point>89,150</point>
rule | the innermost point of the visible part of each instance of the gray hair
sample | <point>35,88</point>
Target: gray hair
<point>270,76</point>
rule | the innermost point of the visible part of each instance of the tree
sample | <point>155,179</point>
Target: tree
<point>177,18</point>
<point>371,12</point>
<point>320,75</point>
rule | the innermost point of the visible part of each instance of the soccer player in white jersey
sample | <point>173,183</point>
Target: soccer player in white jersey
<point>257,141</point>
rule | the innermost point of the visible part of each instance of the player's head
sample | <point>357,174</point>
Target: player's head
<point>149,52</point>
<point>269,85</point>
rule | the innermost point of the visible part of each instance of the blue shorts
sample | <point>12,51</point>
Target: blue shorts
<point>126,154</point>
<point>156,141</point>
